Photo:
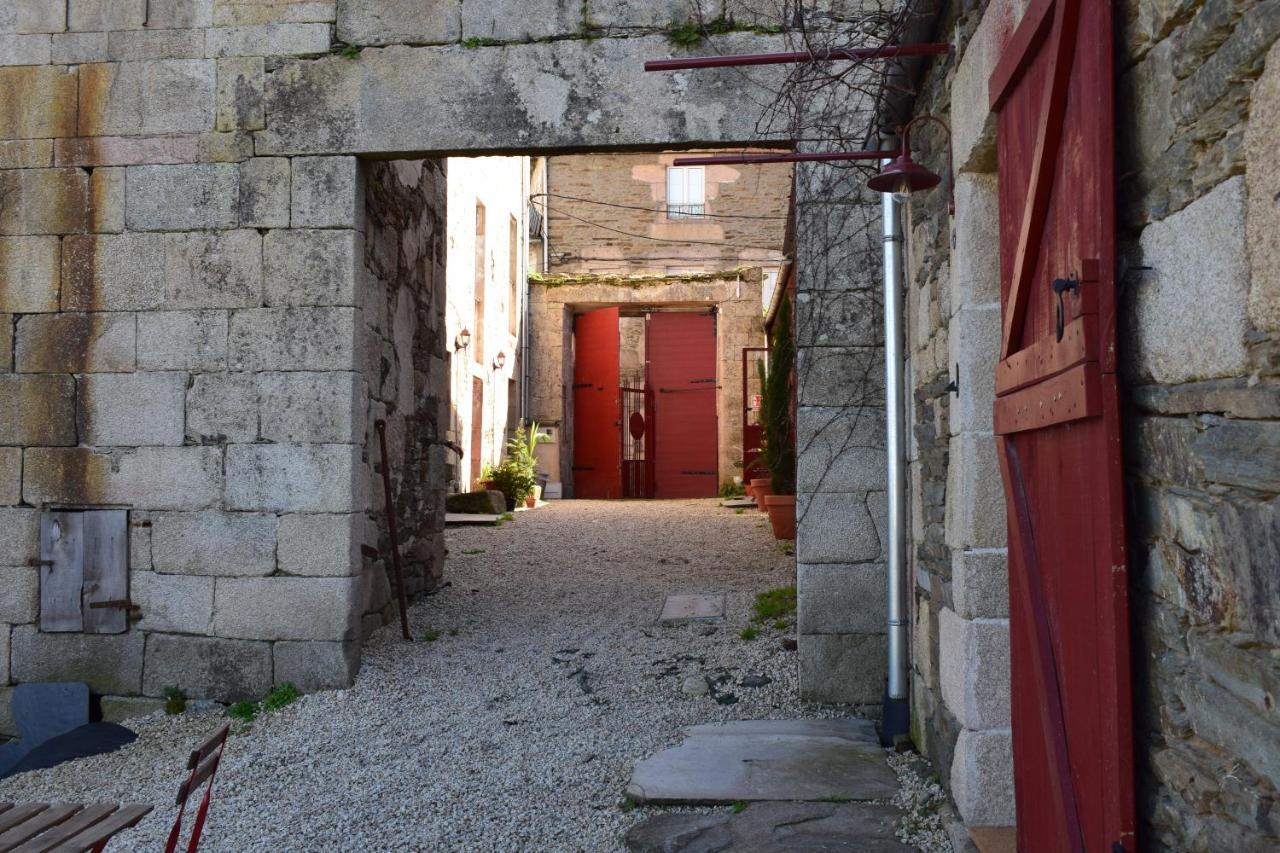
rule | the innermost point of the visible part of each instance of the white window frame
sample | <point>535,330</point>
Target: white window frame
<point>686,192</point>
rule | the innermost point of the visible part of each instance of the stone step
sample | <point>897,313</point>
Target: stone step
<point>773,828</point>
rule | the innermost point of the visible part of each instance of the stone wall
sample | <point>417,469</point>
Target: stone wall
<point>607,214</point>
<point>1197,95</point>
<point>554,300</point>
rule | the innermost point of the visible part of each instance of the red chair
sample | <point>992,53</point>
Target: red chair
<point>203,766</point>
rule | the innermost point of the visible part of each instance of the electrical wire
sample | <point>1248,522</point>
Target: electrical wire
<point>651,210</point>
<point>660,239</point>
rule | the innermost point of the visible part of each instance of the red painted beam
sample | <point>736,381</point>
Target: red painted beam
<point>887,51</point>
<point>738,159</point>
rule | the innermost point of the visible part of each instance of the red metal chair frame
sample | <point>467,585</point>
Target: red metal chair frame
<point>202,767</point>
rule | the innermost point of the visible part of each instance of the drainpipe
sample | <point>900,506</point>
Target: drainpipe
<point>896,718</point>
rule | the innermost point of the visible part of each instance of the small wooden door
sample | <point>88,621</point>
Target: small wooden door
<point>680,351</point>
<point>597,406</point>
<point>1057,425</point>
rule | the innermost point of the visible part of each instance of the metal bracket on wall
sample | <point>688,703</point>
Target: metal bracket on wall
<point>953,387</point>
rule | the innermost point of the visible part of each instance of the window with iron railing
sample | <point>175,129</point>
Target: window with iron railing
<point>686,192</point>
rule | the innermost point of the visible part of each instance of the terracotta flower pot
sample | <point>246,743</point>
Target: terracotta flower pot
<point>782,515</point>
<point>746,488</point>
<point>760,488</point>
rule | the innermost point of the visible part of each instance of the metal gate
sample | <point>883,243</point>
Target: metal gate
<point>637,425</point>
<point>754,359</point>
<point>1057,424</point>
<point>597,416</point>
<point>680,349</point>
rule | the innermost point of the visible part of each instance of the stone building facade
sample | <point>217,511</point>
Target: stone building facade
<point>221,261</point>
<point>1198,99</point>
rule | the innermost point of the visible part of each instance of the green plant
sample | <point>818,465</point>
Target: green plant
<point>748,633</point>
<point>731,489</point>
<point>685,35</point>
<point>351,51</point>
<point>514,480</point>
<point>282,695</point>
<point>781,624</point>
<point>175,701</point>
<point>508,516</point>
<point>774,604</point>
<point>779,430</point>
<point>739,511</point>
<point>244,711</point>
<point>431,635</point>
<point>479,41</point>
<point>738,807</point>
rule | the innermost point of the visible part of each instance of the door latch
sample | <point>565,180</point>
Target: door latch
<point>1061,286</point>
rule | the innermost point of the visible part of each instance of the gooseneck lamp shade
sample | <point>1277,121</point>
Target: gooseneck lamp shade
<point>903,175</point>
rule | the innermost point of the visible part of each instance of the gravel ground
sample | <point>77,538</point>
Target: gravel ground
<point>517,728</point>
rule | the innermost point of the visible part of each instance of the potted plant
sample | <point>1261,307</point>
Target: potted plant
<point>779,431</point>
<point>522,447</point>
<point>516,476</point>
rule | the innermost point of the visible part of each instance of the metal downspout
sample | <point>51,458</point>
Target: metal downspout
<point>896,716</point>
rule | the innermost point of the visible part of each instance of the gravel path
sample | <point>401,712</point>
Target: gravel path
<point>518,727</point>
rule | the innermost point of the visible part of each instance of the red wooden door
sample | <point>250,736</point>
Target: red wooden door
<point>597,406</point>
<point>681,354</point>
<point>1057,427</point>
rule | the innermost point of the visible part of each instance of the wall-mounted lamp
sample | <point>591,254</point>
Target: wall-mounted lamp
<point>903,175</point>
<point>500,361</point>
<point>463,340</point>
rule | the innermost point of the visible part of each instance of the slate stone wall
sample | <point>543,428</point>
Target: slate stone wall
<point>1198,100</point>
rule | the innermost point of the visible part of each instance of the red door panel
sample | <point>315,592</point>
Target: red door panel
<point>1058,432</point>
<point>681,354</point>
<point>597,406</point>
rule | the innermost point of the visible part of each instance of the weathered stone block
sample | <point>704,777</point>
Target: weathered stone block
<point>137,272</point>
<point>316,666</point>
<point>107,201</point>
<point>293,339</point>
<point>222,407</point>
<point>305,267</point>
<point>840,376</point>
<point>108,663</point>
<point>268,40</point>
<point>117,709</point>
<point>229,13</point>
<point>283,608</point>
<point>848,668</point>
<point>207,668</point>
<point>836,528</point>
<point>974,669</point>
<point>1262,177</point>
<point>148,477</point>
<point>1198,257</point>
<point>373,22</point>
<point>6,342</point>
<point>183,198</point>
<point>179,14</point>
<point>143,45</point>
<point>163,96</point>
<point>126,150</point>
<point>26,153</point>
<point>975,493</point>
<point>974,342</point>
<point>25,49</point>
<point>851,318</point>
<point>213,543</point>
<point>843,251</point>
<point>19,595</point>
<point>37,102</point>
<point>320,545</point>
<point>504,22</point>
<point>841,599</point>
<point>103,15</point>
<point>980,583</point>
<point>140,541</point>
<point>264,194</point>
<point>19,535</point>
<point>982,777</point>
<point>131,409</point>
<point>975,261</point>
<point>33,16</point>
<point>79,48</point>
<point>182,340</point>
<point>44,201</point>
<point>37,410</point>
<point>311,407</point>
<point>76,343</point>
<point>327,192</point>
<point>241,86</point>
<point>292,478</point>
<point>842,450</point>
<point>172,603</point>
<point>10,475</point>
<point>30,274</point>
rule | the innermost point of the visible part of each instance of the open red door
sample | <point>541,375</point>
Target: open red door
<point>597,406</point>
<point>681,353</point>
<point>1057,425</point>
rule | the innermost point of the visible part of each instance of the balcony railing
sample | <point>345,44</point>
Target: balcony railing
<point>685,211</point>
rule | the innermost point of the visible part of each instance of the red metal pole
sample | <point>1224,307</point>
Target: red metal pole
<point>731,159</point>
<point>847,53</point>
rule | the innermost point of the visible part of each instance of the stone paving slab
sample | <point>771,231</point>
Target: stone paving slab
<point>767,760</point>
<point>693,608</point>
<point>773,828</point>
<point>737,503</point>
<point>470,518</point>
<point>850,728</point>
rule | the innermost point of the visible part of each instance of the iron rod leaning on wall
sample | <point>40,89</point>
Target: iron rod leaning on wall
<point>895,718</point>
